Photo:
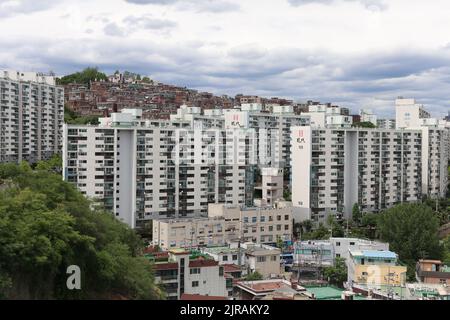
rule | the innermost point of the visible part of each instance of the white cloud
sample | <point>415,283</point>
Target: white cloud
<point>338,52</point>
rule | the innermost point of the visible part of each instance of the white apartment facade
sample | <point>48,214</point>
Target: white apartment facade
<point>325,116</point>
<point>435,144</point>
<point>272,130</point>
<point>31,116</point>
<point>333,169</point>
<point>143,170</point>
<point>367,115</point>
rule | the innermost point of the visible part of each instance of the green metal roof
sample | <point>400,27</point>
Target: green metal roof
<point>326,293</point>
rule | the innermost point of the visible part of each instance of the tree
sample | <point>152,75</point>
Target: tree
<point>336,229</point>
<point>254,276</point>
<point>54,164</point>
<point>280,243</point>
<point>84,77</point>
<point>412,232</point>
<point>336,274</point>
<point>46,225</point>
<point>365,124</point>
<point>356,213</point>
<point>446,245</point>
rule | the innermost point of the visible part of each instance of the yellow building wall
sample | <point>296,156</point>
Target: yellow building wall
<point>379,275</point>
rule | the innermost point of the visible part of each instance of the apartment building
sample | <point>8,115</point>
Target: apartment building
<point>31,116</point>
<point>367,115</point>
<point>225,224</point>
<point>375,269</point>
<point>272,130</point>
<point>386,123</point>
<point>181,274</point>
<point>327,116</point>
<point>435,144</point>
<point>143,169</point>
<point>333,169</point>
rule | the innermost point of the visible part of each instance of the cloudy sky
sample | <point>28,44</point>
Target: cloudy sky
<point>355,53</point>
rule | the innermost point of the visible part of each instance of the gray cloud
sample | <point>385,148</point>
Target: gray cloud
<point>148,22</point>
<point>373,80</point>
<point>131,24</point>
<point>112,29</point>
<point>374,5</point>
<point>11,8</point>
<point>213,6</point>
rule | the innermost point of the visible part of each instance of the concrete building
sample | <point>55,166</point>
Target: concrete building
<point>324,252</point>
<point>226,255</point>
<point>327,116</point>
<point>182,275</point>
<point>272,187</point>
<point>147,169</point>
<point>375,269</point>
<point>274,289</point>
<point>386,124</point>
<point>225,224</point>
<point>31,116</point>
<point>367,115</point>
<point>435,144</point>
<point>433,272</point>
<point>333,169</point>
<point>262,259</point>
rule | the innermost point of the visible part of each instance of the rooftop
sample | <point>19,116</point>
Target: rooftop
<point>374,254</point>
<point>197,297</point>
<point>326,292</point>
<point>219,250</point>
<point>200,263</point>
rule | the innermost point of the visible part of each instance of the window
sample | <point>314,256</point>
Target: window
<point>286,217</point>
<point>254,219</point>
<point>195,271</point>
<point>352,243</point>
<point>338,244</point>
<point>235,257</point>
<point>225,258</point>
<point>273,258</point>
<point>261,259</point>
<point>194,284</point>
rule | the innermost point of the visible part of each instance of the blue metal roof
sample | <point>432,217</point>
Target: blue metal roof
<point>379,254</point>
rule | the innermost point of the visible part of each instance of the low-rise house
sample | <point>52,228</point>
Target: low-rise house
<point>262,259</point>
<point>375,268</point>
<point>433,272</point>
<point>181,273</point>
<point>269,289</point>
<point>324,252</point>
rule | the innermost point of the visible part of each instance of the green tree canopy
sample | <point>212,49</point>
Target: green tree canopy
<point>336,274</point>
<point>356,213</point>
<point>254,276</point>
<point>365,124</point>
<point>47,225</point>
<point>84,77</point>
<point>412,232</point>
